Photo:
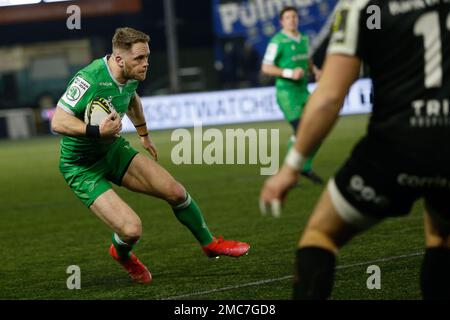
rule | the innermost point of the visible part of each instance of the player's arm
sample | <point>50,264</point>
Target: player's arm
<point>136,114</point>
<point>323,106</point>
<point>66,124</point>
<point>69,125</point>
<point>270,68</point>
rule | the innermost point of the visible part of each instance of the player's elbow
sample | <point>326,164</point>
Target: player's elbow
<point>265,69</point>
<point>56,125</point>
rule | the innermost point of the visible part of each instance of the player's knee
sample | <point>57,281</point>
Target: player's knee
<point>131,232</point>
<point>435,240</point>
<point>177,194</point>
<point>313,237</point>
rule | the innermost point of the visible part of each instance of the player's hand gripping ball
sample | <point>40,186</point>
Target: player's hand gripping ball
<point>96,112</point>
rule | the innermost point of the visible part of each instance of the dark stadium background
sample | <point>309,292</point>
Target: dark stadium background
<point>193,26</point>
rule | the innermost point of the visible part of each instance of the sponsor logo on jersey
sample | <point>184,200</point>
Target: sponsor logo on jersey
<point>105,84</point>
<point>405,6</point>
<point>430,113</point>
<point>75,91</point>
<point>414,181</point>
<point>362,192</point>
<point>299,57</point>
<point>340,26</point>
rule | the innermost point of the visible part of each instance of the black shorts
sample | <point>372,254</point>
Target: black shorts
<point>378,182</point>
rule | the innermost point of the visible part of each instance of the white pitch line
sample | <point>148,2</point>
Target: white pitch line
<point>381,260</point>
<point>266,281</point>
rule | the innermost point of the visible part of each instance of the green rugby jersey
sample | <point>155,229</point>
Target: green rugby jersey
<point>284,52</point>
<point>93,81</point>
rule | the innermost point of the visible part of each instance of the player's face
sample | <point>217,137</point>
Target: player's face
<point>289,21</point>
<point>136,62</point>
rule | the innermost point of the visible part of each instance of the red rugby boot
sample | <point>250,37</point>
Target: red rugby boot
<point>222,247</point>
<point>135,268</point>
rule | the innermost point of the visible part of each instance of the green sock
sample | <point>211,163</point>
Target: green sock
<point>189,214</point>
<point>308,162</point>
<point>123,249</point>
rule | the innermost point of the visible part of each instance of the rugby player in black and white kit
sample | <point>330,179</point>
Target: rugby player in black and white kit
<point>405,154</point>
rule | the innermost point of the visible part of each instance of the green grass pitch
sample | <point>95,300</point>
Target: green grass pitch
<point>45,228</point>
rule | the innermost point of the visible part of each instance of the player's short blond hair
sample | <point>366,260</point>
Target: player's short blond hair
<point>124,38</point>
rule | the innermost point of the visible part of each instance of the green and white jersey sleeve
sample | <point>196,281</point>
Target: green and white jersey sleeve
<point>272,52</point>
<point>77,96</point>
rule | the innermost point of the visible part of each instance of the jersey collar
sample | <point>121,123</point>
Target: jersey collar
<point>296,39</point>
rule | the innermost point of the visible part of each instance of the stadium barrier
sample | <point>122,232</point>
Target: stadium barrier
<point>232,106</point>
<point>17,123</point>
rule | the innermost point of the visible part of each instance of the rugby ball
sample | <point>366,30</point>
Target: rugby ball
<point>97,110</point>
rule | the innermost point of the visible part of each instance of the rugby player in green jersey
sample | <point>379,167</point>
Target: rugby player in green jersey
<point>287,59</point>
<point>94,156</point>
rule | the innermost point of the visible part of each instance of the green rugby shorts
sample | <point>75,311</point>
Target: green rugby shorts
<point>89,180</point>
<point>291,102</point>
